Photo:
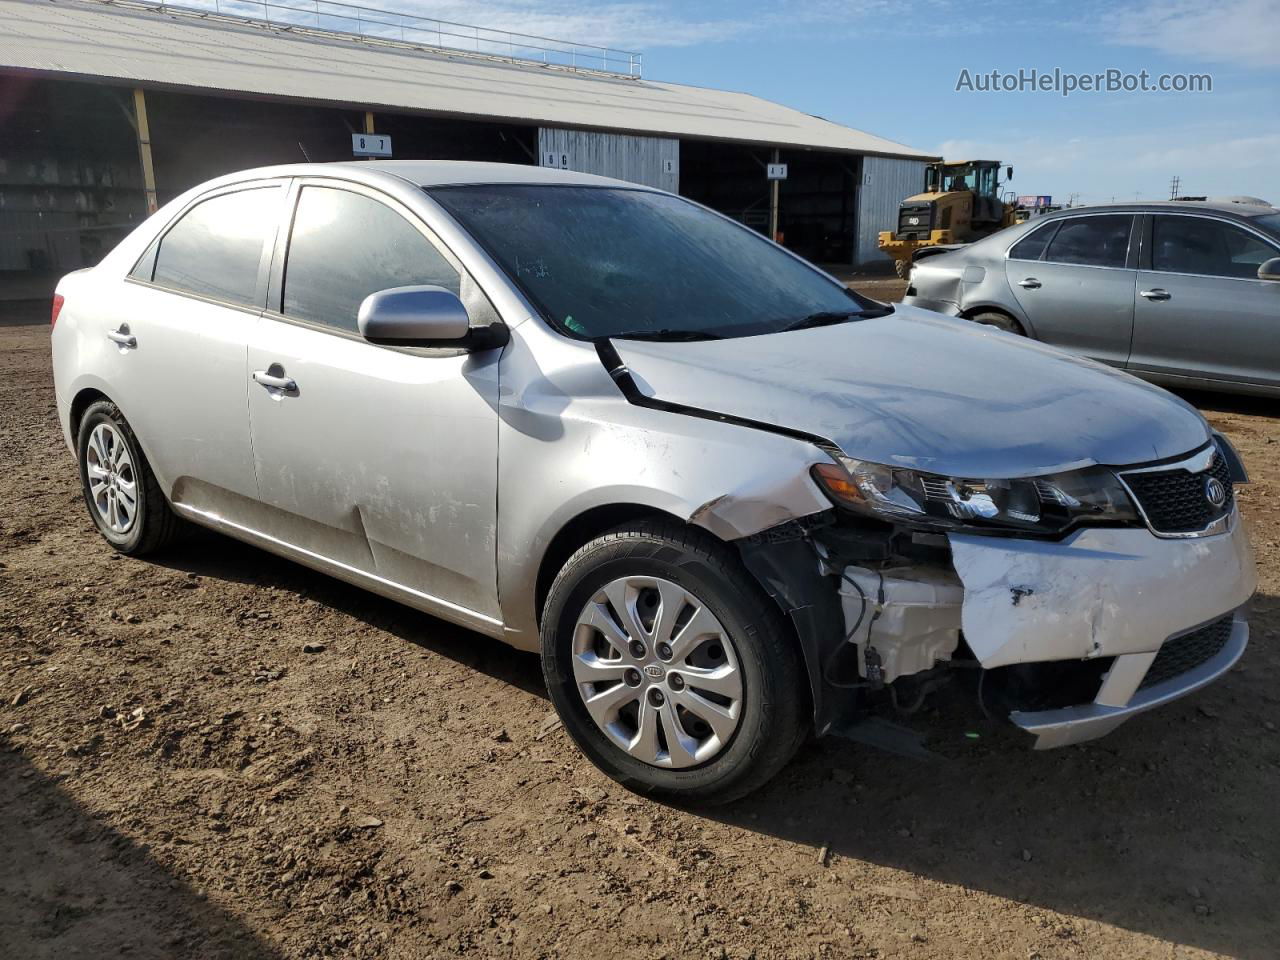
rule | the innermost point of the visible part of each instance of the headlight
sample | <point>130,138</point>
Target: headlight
<point>1047,504</point>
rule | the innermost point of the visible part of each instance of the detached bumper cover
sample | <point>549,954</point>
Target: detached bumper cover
<point>1101,592</point>
<point>1104,592</point>
<point>1057,728</point>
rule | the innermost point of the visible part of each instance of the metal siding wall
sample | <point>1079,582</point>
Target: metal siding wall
<point>652,161</point>
<point>886,182</point>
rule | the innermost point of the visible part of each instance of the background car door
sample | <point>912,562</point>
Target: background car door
<point>181,331</point>
<point>381,459</point>
<point>1200,310</point>
<point>1077,288</point>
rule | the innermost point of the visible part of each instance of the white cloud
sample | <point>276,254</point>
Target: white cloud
<point>1230,31</point>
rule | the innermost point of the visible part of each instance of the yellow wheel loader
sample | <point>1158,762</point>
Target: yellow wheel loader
<point>961,203</point>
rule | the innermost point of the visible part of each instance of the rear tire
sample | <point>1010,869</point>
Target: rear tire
<point>124,499</point>
<point>1001,321</point>
<point>764,709</point>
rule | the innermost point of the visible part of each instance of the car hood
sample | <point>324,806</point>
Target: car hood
<point>916,389</point>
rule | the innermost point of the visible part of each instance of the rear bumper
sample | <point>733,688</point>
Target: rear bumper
<point>1120,697</point>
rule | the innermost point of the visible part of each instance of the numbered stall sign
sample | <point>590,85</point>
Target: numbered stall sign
<point>370,145</point>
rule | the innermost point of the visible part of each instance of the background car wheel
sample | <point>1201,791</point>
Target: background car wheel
<point>120,490</point>
<point>1001,321</point>
<point>670,668</point>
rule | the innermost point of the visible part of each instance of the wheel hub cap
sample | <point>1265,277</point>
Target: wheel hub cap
<point>657,672</point>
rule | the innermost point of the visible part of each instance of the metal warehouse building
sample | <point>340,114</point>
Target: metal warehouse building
<point>109,107</point>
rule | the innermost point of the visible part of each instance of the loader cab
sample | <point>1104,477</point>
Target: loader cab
<point>979,178</point>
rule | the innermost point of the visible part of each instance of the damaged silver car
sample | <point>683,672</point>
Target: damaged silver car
<point>726,499</point>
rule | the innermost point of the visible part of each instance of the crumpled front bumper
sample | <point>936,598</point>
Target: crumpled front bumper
<point>1120,697</point>
<point>1103,592</point>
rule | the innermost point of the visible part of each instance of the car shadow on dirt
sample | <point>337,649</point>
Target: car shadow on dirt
<point>208,554</point>
<point>73,887</point>
<point>1164,827</point>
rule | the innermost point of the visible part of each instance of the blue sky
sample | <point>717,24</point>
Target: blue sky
<point>891,66</point>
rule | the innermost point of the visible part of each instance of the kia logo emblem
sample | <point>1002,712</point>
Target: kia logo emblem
<point>1215,492</point>
<point>654,671</point>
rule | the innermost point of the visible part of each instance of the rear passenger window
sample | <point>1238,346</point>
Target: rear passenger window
<point>1210,247</point>
<point>1032,245</point>
<point>345,246</point>
<point>1101,241</point>
<point>215,248</point>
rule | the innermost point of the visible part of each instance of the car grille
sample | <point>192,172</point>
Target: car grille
<point>1175,501</point>
<point>1188,651</point>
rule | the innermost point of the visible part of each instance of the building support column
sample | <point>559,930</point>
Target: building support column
<point>143,128</point>
<point>368,125</point>
<point>773,200</point>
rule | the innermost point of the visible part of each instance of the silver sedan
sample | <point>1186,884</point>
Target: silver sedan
<point>1180,293</point>
<point>725,499</point>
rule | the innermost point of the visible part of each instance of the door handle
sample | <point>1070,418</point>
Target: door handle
<point>268,379</point>
<point>1156,294</point>
<point>123,337</point>
<point>1031,283</point>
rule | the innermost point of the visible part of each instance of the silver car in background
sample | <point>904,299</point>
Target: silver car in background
<point>1186,294</point>
<point>727,500</point>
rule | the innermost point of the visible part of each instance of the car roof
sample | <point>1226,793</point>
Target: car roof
<point>1243,211</point>
<point>436,173</point>
<point>432,173</point>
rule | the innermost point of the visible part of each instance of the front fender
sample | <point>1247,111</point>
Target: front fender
<point>570,442</point>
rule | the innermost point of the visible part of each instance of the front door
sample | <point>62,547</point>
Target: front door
<point>380,459</point>
<point>1077,288</point>
<point>1200,310</point>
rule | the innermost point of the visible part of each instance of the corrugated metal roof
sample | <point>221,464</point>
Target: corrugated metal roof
<point>91,39</point>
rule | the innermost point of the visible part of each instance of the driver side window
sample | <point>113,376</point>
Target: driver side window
<point>344,246</point>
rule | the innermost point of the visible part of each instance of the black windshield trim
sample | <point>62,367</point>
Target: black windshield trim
<point>620,373</point>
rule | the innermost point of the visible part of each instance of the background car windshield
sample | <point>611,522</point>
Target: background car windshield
<point>603,262</point>
<point>1269,222</point>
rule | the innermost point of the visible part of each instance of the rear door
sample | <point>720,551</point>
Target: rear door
<point>180,335</point>
<point>1074,279</point>
<point>380,459</point>
<point>1200,310</point>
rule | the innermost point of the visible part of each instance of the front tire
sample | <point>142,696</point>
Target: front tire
<point>124,499</point>
<point>670,668</point>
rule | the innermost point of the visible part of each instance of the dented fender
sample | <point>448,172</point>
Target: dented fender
<point>1100,592</point>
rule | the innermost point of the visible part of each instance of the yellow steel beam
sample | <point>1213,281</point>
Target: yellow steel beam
<point>144,149</point>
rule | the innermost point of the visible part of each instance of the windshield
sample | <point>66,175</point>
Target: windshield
<point>606,262</point>
<point>1269,222</point>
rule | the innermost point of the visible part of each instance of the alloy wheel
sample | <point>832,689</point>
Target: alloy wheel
<point>113,485</point>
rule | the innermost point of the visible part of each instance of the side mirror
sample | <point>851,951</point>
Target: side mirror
<point>1008,173</point>
<point>1270,269</point>
<point>423,316</point>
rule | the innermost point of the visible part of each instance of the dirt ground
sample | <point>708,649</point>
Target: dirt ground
<point>178,778</point>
